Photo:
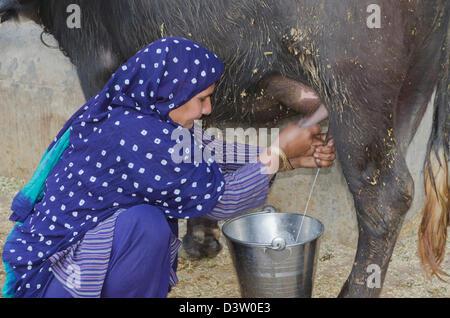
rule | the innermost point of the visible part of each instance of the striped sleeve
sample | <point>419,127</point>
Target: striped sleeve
<point>230,156</point>
<point>245,189</point>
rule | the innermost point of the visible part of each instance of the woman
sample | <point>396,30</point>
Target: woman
<point>99,216</point>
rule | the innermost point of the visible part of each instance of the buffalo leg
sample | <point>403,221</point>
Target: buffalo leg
<point>202,238</point>
<point>94,73</point>
<point>383,190</point>
<point>377,174</point>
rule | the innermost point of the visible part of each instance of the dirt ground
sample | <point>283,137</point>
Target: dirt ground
<point>215,277</point>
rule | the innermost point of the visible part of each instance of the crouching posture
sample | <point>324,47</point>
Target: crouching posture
<point>99,216</point>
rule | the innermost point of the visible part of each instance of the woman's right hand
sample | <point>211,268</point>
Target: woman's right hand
<point>321,156</point>
<point>297,141</point>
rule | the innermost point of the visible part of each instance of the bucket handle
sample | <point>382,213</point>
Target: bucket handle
<point>278,244</point>
<point>269,209</point>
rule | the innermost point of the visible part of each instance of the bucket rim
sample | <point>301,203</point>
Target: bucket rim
<point>268,245</point>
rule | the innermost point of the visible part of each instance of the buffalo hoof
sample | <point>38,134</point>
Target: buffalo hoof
<point>201,241</point>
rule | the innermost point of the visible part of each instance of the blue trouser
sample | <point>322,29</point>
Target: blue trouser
<point>139,265</point>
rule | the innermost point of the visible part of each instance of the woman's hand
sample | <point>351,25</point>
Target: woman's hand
<point>300,146</point>
<point>318,156</point>
<point>296,141</point>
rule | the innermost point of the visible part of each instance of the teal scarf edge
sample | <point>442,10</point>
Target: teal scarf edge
<point>33,192</point>
<point>25,200</point>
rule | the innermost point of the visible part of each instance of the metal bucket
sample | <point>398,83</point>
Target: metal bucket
<point>269,262</point>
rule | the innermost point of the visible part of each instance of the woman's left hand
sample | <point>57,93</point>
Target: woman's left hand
<point>318,156</point>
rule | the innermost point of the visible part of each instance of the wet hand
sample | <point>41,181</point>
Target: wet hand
<point>318,156</point>
<point>297,141</point>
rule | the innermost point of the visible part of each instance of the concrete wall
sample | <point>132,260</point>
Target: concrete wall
<point>39,90</point>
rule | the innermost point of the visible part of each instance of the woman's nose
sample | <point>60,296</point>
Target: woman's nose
<point>206,110</point>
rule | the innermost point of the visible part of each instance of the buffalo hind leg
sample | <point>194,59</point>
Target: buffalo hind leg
<point>382,187</point>
<point>382,204</point>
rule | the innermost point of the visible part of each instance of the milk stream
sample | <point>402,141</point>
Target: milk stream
<point>307,204</point>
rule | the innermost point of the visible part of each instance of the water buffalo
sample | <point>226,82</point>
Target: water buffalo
<point>376,79</point>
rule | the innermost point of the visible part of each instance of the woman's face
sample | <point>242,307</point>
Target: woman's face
<point>194,109</point>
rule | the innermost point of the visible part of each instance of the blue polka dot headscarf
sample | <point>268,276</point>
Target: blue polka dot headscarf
<point>117,152</point>
<point>159,78</point>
